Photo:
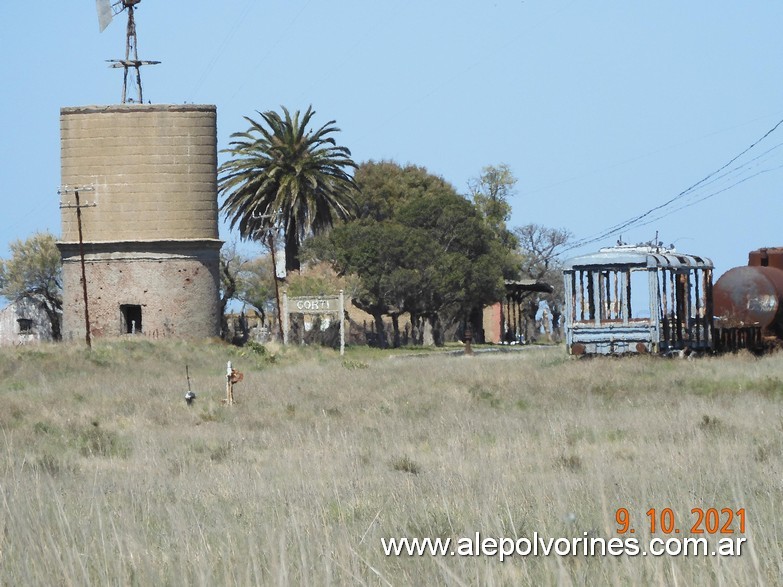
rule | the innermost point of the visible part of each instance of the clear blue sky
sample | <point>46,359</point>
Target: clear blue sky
<point>603,110</point>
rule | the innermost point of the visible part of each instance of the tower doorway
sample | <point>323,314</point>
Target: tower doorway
<point>131,318</point>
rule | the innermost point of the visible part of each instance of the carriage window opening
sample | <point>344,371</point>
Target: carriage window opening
<point>612,299</point>
<point>639,295</point>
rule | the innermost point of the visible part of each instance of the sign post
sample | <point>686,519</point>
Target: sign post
<point>285,317</point>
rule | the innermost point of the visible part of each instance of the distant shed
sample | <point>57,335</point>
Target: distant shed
<point>506,322</point>
<point>24,321</point>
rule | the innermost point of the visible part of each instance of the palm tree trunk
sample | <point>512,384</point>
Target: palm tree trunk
<point>292,262</point>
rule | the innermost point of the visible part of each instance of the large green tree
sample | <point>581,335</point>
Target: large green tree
<point>35,271</point>
<point>281,173</point>
<point>419,248</point>
<point>469,265</point>
<point>385,186</point>
<point>393,264</point>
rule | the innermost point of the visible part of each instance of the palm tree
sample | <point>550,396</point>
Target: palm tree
<point>282,175</point>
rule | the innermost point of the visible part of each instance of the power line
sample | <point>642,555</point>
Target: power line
<point>622,162</point>
<point>284,33</point>
<point>709,179</point>
<point>221,49</point>
<point>715,193</point>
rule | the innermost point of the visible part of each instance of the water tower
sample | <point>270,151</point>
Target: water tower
<point>139,215</point>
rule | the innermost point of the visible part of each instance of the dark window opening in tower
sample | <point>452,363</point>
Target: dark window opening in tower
<point>131,318</point>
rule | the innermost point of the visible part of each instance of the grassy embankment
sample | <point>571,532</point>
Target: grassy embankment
<point>109,478</point>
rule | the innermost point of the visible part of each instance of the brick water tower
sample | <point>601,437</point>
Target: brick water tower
<point>140,181</point>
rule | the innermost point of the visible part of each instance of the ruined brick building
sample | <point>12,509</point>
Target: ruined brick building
<point>147,181</point>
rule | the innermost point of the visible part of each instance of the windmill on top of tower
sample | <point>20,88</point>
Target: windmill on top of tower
<point>107,11</point>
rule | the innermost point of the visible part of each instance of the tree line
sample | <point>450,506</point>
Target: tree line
<point>413,244</point>
<point>398,238</point>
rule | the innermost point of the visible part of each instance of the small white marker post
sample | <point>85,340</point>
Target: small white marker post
<point>229,384</point>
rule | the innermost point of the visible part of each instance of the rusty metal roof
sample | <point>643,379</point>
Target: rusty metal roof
<point>527,285</point>
<point>638,256</point>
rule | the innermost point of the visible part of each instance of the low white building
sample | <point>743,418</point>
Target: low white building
<point>24,321</point>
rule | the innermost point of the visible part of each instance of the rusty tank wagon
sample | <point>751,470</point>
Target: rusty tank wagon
<point>749,303</point>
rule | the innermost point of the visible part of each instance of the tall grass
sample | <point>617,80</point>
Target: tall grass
<point>108,477</point>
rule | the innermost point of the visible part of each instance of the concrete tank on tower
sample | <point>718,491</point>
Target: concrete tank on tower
<point>147,182</point>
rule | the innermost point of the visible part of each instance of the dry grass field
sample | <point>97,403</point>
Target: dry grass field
<point>109,478</point>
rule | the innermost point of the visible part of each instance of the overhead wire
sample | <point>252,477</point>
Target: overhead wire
<point>740,167</point>
<point>622,162</point>
<point>370,32</point>
<point>643,218</point>
<point>221,49</point>
<point>647,217</point>
<point>283,34</point>
<point>33,211</point>
<point>708,180</point>
<point>710,195</point>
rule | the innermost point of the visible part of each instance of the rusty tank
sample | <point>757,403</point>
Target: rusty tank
<point>751,296</point>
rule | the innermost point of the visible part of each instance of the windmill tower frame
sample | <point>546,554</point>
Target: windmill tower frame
<point>106,12</point>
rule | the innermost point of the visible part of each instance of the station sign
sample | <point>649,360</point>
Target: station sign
<point>314,305</point>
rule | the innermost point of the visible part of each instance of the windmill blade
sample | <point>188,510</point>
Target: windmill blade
<point>105,13</point>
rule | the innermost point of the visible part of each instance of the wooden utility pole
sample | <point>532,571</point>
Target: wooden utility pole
<point>270,233</point>
<point>78,205</point>
<point>274,277</point>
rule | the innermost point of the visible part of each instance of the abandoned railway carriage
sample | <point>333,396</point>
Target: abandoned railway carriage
<point>638,299</point>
